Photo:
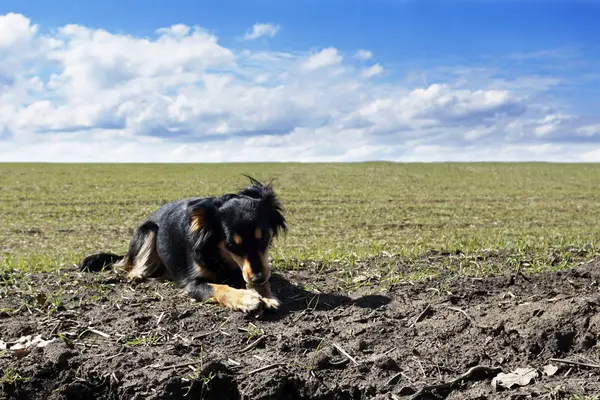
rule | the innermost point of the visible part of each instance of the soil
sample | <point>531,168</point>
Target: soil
<point>110,339</point>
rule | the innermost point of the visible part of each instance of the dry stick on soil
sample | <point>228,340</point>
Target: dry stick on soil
<point>258,357</point>
<point>463,312</point>
<point>388,351</point>
<point>205,334</point>
<point>236,363</point>
<point>111,357</point>
<point>253,344</point>
<point>421,366</point>
<point>469,375</point>
<point>166,367</point>
<point>266,368</point>
<point>406,376</point>
<point>422,315</point>
<point>343,352</point>
<point>314,375</point>
<point>97,332</point>
<point>575,363</point>
<point>471,319</point>
<point>338,363</point>
<point>160,317</point>
<point>55,327</point>
<point>394,379</point>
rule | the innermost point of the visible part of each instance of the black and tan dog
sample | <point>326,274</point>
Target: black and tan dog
<point>212,246</point>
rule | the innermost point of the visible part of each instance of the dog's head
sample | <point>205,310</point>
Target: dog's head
<point>243,226</point>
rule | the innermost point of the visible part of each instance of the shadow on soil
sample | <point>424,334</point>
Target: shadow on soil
<point>294,298</point>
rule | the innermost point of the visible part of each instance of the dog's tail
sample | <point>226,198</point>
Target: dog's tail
<point>98,262</point>
<point>140,246</point>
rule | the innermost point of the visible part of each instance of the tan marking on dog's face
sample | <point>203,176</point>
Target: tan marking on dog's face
<point>236,261</point>
<point>258,233</point>
<point>227,255</point>
<point>246,270</point>
<point>237,239</point>
<point>244,264</point>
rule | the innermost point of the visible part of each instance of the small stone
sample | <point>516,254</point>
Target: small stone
<point>407,391</point>
<point>320,360</point>
<point>284,347</point>
<point>588,340</point>
<point>387,363</point>
<point>363,368</point>
<point>363,345</point>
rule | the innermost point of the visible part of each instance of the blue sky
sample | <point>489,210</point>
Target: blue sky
<point>307,80</point>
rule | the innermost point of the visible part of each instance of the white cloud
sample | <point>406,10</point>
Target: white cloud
<point>260,30</point>
<point>372,71</point>
<point>589,130</point>
<point>551,123</point>
<point>82,94</point>
<point>15,29</point>
<point>324,58</point>
<point>363,54</point>
<point>591,155</point>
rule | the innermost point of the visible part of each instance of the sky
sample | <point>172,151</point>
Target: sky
<point>303,80</point>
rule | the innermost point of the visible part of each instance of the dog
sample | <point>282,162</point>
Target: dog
<point>214,247</point>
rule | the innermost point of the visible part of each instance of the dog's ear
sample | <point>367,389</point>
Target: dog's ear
<point>203,221</point>
<point>266,195</point>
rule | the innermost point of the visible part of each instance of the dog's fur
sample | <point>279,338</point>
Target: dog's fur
<point>212,246</point>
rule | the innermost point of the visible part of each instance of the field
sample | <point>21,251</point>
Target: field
<point>396,280</point>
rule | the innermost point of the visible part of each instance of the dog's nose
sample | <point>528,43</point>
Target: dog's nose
<point>258,278</point>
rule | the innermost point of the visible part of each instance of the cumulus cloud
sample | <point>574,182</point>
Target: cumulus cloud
<point>372,71</point>
<point>589,130</point>
<point>363,54</point>
<point>260,30</point>
<point>82,94</point>
<point>15,29</point>
<point>323,58</point>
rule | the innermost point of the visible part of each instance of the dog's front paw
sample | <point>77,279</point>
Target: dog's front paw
<point>245,300</point>
<point>271,303</point>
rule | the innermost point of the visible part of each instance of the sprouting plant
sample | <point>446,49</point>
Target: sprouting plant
<point>11,376</point>
<point>254,331</point>
<point>143,341</point>
<point>197,376</point>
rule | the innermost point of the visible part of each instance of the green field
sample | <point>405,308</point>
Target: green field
<point>424,218</point>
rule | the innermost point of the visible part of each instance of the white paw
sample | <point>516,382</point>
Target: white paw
<point>272,303</point>
<point>247,300</point>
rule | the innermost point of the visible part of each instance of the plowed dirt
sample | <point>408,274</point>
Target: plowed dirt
<point>116,340</point>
